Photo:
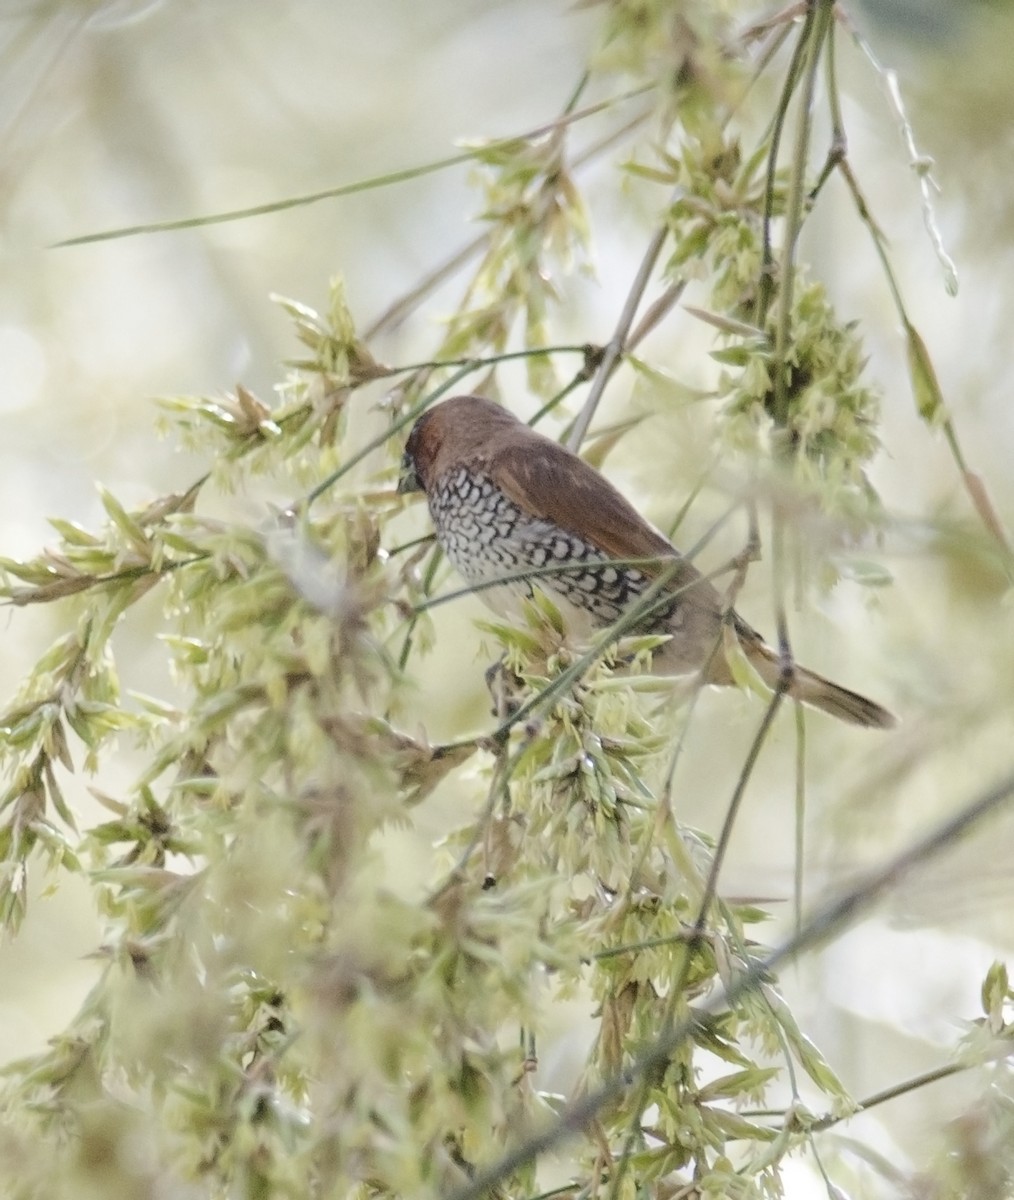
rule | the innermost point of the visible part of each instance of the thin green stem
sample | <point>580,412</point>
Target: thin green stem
<point>431,572</point>
<point>348,189</point>
<point>819,22</point>
<point>800,818</point>
<point>767,282</point>
<point>903,1088</point>
<point>617,343</point>
<point>550,571</point>
<point>475,362</point>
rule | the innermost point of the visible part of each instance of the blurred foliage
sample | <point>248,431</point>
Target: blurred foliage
<point>274,1017</point>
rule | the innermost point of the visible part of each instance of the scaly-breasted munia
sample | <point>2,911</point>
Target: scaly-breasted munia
<point>506,500</point>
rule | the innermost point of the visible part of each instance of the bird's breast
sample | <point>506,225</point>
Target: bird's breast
<point>489,538</point>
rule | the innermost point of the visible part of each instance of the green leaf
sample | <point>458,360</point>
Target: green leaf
<point>995,993</point>
<point>732,356</point>
<point>735,1127</point>
<point>123,520</point>
<point>738,1083</point>
<point>929,399</point>
<point>73,533</point>
<point>813,1062</point>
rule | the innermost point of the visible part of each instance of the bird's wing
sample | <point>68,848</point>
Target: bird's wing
<point>549,482</point>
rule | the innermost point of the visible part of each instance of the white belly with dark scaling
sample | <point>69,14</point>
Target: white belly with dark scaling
<point>487,537</point>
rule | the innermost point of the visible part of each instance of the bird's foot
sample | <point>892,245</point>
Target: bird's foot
<point>505,689</point>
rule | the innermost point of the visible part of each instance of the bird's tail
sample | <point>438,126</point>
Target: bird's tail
<point>810,688</point>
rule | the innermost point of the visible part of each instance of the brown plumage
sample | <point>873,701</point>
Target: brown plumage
<point>505,499</point>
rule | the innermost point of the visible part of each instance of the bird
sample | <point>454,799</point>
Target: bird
<point>513,509</point>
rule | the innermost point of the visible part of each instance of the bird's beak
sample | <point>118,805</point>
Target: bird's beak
<point>409,479</point>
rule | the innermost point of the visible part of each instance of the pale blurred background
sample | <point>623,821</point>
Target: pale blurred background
<point>115,114</point>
